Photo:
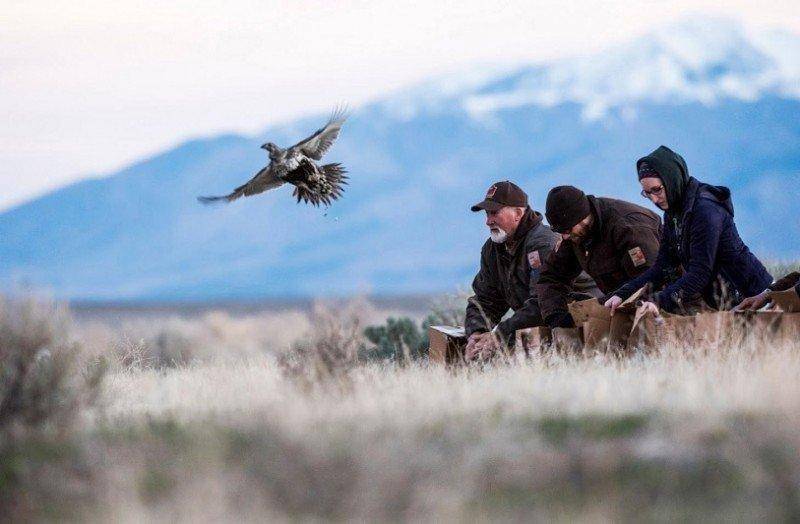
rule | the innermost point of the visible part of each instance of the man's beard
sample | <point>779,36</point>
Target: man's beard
<point>498,236</point>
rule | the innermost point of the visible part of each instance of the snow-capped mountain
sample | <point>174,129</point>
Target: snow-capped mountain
<point>727,100</point>
<point>701,60</point>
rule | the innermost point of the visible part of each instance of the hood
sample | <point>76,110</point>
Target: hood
<point>671,168</point>
<point>529,220</point>
<point>719,194</point>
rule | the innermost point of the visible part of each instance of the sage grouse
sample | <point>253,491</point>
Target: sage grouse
<point>296,165</point>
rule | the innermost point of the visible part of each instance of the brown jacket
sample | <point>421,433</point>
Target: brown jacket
<point>623,244</point>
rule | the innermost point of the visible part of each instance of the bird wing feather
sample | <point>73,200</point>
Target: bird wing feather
<point>323,138</point>
<point>264,180</point>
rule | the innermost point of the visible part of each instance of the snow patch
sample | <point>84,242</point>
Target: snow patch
<point>700,59</point>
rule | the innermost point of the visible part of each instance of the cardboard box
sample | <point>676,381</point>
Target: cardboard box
<point>596,333</point>
<point>447,344</point>
<point>601,330</point>
<point>620,330</point>
<point>787,301</point>
<point>533,340</point>
<point>708,331</point>
<point>772,327</point>
<point>568,341</point>
<point>789,330</point>
<point>584,310</point>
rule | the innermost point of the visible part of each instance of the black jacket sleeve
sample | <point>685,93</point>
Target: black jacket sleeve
<point>537,250</point>
<point>553,288</point>
<point>705,230</point>
<point>487,306</point>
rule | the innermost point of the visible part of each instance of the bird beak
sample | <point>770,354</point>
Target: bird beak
<point>263,146</point>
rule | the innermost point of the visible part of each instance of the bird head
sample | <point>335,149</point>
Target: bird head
<point>274,151</point>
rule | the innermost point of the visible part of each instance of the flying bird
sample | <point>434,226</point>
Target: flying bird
<point>297,165</point>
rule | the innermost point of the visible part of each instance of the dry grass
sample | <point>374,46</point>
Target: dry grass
<point>233,434</point>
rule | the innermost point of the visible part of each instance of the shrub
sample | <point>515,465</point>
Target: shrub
<point>398,340</point>
<point>43,387</point>
<point>331,349</point>
<point>41,383</point>
<point>167,348</point>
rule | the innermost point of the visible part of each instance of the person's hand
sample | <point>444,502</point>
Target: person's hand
<point>754,303</point>
<point>480,345</point>
<point>487,346</point>
<point>470,351</point>
<point>613,303</point>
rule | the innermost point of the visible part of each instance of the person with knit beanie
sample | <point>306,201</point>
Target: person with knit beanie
<point>611,240</point>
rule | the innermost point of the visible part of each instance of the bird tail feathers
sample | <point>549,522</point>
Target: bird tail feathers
<point>335,177</point>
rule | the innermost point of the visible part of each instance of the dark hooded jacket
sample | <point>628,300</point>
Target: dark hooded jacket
<point>622,245</point>
<point>700,242</point>
<point>507,280</point>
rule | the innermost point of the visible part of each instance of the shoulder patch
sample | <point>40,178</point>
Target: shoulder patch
<point>534,259</point>
<point>637,256</point>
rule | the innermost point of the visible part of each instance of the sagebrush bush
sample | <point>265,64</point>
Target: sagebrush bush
<point>332,347</point>
<point>399,340</point>
<point>167,348</point>
<point>44,386</point>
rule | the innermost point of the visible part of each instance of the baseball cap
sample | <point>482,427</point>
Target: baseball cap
<point>501,194</point>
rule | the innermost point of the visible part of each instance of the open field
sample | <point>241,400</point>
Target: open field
<point>284,415</point>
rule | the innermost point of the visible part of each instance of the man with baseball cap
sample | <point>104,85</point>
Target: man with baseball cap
<point>511,261</point>
<point>612,240</point>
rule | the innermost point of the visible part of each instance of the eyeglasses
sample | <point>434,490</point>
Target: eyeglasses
<point>656,191</point>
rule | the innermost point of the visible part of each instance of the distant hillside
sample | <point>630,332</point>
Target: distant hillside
<point>729,103</point>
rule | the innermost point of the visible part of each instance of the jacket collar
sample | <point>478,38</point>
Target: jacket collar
<point>530,220</point>
<point>689,197</point>
<point>597,227</point>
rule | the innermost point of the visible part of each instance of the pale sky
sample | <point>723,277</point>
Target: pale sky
<point>87,87</point>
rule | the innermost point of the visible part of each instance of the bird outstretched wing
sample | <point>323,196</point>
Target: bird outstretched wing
<point>264,180</point>
<point>318,144</point>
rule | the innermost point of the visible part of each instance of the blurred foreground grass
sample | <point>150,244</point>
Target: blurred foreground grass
<point>302,428</point>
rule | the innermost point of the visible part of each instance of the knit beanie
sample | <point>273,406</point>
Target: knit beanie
<point>566,206</point>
